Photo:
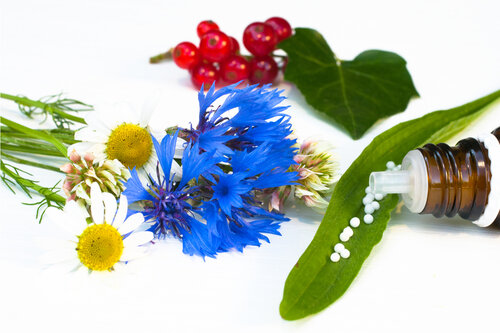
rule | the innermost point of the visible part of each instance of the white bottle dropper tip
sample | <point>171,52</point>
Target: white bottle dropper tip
<point>390,182</point>
<point>410,182</point>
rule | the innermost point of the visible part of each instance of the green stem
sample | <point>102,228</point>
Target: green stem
<point>29,102</point>
<point>28,162</point>
<point>42,135</point>
<point>26,183</point>
<point>162,57</point>
<point>29,150</point>
<point>8,133</point>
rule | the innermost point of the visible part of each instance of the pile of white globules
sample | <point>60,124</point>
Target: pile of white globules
<point>371,204</point>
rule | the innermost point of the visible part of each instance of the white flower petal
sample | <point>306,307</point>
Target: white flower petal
<point>131,224</point>
<point>81,271</point>
<point>49,244</point>
<point>138,238</point>
<point>144,226</point>
<point>109,207</point>
<point>119,113</point>
<point>176,171</point>
<point>97,206</point>
<point>113,165</point>
<point>121,213</point>
<point>100,156</point>
<point>76,215</point>
<point>147,109</point>
<point>94,121</point>
<point>58,256</point>
<point>80,147</point>
<point>133,253</point>
<point>180,146</point>
<point>69,220</point>
<point>89,134</point>
<point>80,191</point>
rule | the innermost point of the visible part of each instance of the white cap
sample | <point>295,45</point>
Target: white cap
<point>411,182</point>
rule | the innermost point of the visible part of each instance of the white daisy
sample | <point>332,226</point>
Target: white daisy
<point>122,134</point>
<point>107,239</point>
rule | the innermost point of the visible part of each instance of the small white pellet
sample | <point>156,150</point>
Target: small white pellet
<point>335,257</point>
<point>344,237</point>
<point>348,231</point>
<point>368,219</point>
<point>369,209</point>
<point>368,199</point>
<point>379,196</point>
<point>390,165</point>
<point>339,247</point>
<point>368,190</point>
<point>375,205</point>
<point>354,222</point>
<point>345,253</point>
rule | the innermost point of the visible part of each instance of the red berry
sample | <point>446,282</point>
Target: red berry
<point>215,46</point>
<point>205,74</point>
<point>281,27</point>
<point>234,69</point>
<point>205,26</point>
<point>259,38</point>
<point>235,46</point>
<point>186,55</point>
<point>263,70</point>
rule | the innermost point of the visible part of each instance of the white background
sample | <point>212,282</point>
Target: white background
<point>425,275</point>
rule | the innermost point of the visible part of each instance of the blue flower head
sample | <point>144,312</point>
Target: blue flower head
<point>245,118</point>
<point>237,153</point>
<point>168,203</point>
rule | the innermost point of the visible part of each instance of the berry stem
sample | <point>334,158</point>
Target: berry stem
<point>162,57</point>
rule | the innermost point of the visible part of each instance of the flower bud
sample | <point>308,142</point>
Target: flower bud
<point>317,170</point>
<point>109,174</point>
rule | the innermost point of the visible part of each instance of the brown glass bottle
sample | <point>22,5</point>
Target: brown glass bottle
<point>458,178</point>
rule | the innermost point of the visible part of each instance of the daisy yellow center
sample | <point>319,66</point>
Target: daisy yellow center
<point>100,247</point>
<point>130,144</point>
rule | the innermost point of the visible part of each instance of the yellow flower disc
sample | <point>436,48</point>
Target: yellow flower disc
<point>130,144</point>
<point>100,247</point>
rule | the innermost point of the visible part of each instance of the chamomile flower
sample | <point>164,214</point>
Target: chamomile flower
<point>109,238</point>
<point>121,134</point>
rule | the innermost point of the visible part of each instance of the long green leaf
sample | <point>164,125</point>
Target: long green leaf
<point>315,282</point>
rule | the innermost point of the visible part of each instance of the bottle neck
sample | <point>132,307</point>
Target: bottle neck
<point>443,180</point>
<point>458,179</point>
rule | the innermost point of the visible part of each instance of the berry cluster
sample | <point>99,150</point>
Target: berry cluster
<point>218,58</point>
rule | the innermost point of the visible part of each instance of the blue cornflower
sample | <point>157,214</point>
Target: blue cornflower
<point>228,191</point>
<point>236,155</point>
<point>167,203</point>
<point>234,215</point>
<point>246,118</point>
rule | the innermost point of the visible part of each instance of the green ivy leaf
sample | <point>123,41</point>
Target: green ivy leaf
<point>356,93</point>
<point>315,282</point>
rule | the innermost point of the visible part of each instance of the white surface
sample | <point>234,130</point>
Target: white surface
<point>425,275</point>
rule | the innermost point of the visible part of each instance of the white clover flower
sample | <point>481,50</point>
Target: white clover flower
<point>101,240</point>
<point>317,170</point>
<point>83,171</point>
